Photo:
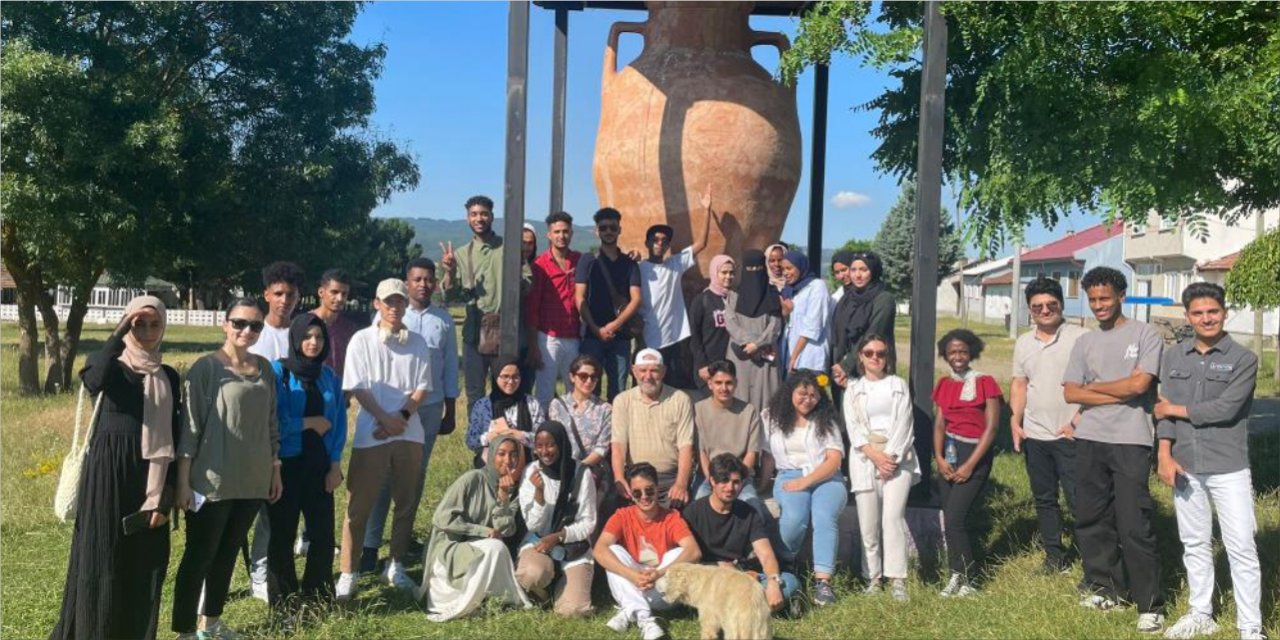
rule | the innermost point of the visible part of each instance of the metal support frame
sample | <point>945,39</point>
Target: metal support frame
<point>513,189</point>
<point>558,94</point>
<point>818,165</point>
<point>924,293</point>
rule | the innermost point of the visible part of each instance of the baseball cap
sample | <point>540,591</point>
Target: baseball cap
<point>392,287</point>
<point>648,356</point>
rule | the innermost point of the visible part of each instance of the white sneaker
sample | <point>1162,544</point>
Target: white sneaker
<point>396,577</point>
<point>900,590</point>
<point>1253,634</point>
<point>346,586</point>
<point>620,621</point>
<point>957,587</point>
<point>649,629</point>
<point>873,587</point>
<point>301,546</point>
<point>1150,622</point>
<point>1192,625</point>
<point>1099,602</point>
<point>259,590</point>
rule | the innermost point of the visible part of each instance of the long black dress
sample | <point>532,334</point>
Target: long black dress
<point>114,581</point>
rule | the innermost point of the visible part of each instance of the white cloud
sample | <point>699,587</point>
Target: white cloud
<point>847,199</point>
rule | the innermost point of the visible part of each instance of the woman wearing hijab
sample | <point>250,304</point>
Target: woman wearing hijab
<point>866,308</point>
<point>706,319</point>
<point>753,320</point>
<point>558,502</point>
<point>507,410</point>
<point>774,255</point>
<point>114,579</point>
<point>467,559</point>
<point>312,415</point>
<point>808,328</point>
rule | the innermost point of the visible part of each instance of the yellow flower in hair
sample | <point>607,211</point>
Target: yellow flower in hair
<point>823,380</point>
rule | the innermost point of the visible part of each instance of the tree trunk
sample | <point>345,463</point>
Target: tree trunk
<point>75,324</point>
<point>52,342</point>
<point>29,282</point>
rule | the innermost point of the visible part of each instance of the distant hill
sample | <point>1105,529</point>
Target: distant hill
<point>430,232</point>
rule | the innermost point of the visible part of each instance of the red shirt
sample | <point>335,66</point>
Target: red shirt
<point>550,305</point>
<point>965,419</point>
<point>634,534</point>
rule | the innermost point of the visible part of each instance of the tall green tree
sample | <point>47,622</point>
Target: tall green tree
<point>193,141</point>
<point>1255,280</point>
<point>1119,107</point>
<point>895,244</point>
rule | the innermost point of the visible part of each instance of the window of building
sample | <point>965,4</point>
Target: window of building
<point>1073,284</point>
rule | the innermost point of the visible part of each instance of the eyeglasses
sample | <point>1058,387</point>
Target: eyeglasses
<point>240,324</point>
<point>586,376</point>
<point>509,378</point>
<point>874,353</point>
<point>1049,307</point>
<point>647,492</point>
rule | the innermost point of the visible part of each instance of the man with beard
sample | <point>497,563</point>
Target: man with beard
<point>335,289</point>
<point>653,423</point>
<point>474,275</point>
<point>607,292</point>
<point>550,313</point>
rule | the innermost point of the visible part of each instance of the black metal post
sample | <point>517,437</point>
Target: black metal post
<point>818,165</point>
<point>513,190</point>
<point>924,293</point>
<point>558,92</point>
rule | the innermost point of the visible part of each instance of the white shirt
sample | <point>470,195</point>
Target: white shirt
<point>537,517</point>
<point>879,404</point>
<point>810,320</point>
<point>273,343</point>
<point>662,299</point>
<point>435,325</point>
<point>391,372</point>
<point>816,446</point>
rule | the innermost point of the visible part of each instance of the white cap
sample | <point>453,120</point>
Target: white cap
<point>529,227</point>
<point>648,356</point>
<point>392,287</point>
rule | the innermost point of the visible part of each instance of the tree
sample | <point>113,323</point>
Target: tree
<point>857,245</point>
<point>1254,280</point>
<point>895,244</point>
<point>1121,107</point>
<point>192,141</point>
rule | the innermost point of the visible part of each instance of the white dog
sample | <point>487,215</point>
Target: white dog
<point>726,599</point>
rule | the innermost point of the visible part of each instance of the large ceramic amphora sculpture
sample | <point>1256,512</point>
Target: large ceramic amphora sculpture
<point>695,109</point>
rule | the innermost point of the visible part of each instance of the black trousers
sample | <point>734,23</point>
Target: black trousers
<point>303,496</point>
<point>678,360</point>
<point>1113,522</point>
<point>214,537</point>
<point>1051,464</point>
<point>958,500</point>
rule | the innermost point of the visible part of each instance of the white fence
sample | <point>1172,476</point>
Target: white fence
<point>104,315</point>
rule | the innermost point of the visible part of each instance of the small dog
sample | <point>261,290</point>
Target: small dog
<point>727,600</point>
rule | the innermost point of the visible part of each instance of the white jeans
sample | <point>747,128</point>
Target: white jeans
<point>1231,494</point>
<point>635,602</point>
<point>884,506</point>
<point>557,355</point>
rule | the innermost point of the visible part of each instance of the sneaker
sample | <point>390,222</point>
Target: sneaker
<point>396,577</point>
<point>1150,622</point>
<point>417,549</point>
<point>900,590</point>
<point>620,621</point>
<point>953,585</point>
<point>259,590</point>
<point>872,588</point>
<point>1253,634</point>
<point>823,594</point>
<point>1192,625</point>
<point>1099,602</point>
<point>218,631</point>
<point>368,560</point>
<point>649,629</point>
<point>345,588</point>
<point>301,546</point>
<point>965,591</point>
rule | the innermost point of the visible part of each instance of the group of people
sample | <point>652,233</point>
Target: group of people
<point>766,384</point>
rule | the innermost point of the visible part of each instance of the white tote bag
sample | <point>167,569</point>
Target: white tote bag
<point>65,500</point>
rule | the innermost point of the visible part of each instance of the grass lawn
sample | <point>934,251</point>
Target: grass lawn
<point>1015,601</point>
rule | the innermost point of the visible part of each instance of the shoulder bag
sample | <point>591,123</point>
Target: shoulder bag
<point>634,326</point>
<point>490,323</point>
<point>603,470</point>
<point>67,497</point>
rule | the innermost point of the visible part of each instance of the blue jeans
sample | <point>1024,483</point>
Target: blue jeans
<point>430,414</point>
<point>820,504</point>
<point>748,495</point>
<point>614,357</point>
<point>790,584</point>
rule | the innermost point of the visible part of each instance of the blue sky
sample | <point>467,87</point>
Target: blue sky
<point>442,96</point>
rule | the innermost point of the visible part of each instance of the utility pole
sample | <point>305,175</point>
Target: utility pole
<point>1258,314</point>
<point>1015,290</point>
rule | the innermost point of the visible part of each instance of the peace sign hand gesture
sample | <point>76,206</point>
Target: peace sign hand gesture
<point>449,259</point>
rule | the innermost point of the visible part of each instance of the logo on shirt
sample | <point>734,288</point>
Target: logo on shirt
<point>718,317</point>
<point>1131,352</point>
<point>1225,367</point>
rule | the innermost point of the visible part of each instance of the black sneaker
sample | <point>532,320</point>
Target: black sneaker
<point>369,560</point>
<point>823,594</point>
<point>417,550</point>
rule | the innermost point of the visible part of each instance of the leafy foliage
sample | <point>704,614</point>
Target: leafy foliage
<point>1254,279</point>
<point>895,244</point>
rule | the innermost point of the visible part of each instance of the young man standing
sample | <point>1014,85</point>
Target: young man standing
<point>1111,374</point>
<point>1206,386</point>
<point>474,275</point>
<point>438,410</point>
<point>653,423</point>
<point>733,534</point>
<point>608,295</point>
<point>725,424</point>
<point>1040,415</point>
<point>389,374</point>
<point>550,312</point>
<point>666,322</point>
<point>334,291</point>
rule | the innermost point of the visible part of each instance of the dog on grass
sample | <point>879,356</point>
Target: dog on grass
<point>727,600</point>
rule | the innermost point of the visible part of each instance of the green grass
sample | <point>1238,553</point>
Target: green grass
<point>1015,601</point>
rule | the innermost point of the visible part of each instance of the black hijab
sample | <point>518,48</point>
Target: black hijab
<point>306,369</point>
<point>563,471</point>
<point>853,312</point>
<point>503,401</point>
<point>756,296</point>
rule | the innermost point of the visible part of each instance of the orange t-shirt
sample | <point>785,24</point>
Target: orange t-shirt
<point>641,539</point>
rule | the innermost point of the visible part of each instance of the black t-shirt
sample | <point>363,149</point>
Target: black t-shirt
<point>625,274</point>
<point>725,537</point>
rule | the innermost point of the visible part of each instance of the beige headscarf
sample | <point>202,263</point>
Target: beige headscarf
<point>157,402</point>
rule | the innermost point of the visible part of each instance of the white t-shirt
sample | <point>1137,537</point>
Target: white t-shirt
<point>662,300</point>
<point>879,404</point>
<point>797,452</point>
<point>273,343</point>
<point>391,372</point>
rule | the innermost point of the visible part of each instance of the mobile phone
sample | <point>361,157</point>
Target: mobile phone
<point>135,522</point>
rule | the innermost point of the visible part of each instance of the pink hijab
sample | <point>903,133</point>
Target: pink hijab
<point>717,263</point>
<point>776,279</point>
<point>157,401</point>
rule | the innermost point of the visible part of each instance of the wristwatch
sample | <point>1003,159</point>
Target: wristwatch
<point>404,413</point>
<point>776,577</point>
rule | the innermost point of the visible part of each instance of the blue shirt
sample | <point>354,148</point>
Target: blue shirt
<point>291,404</point>
<point>438,328</point>
<point>809,320</point>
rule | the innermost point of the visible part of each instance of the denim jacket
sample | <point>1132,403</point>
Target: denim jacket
<point>291,403</point>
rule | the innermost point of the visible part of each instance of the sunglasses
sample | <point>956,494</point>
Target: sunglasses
<point>874,353</point>
<point>607,228</point>
<point>1042,308</point>
<point>240,324</point>
<point>647,492</point>
<point>586,376</point>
